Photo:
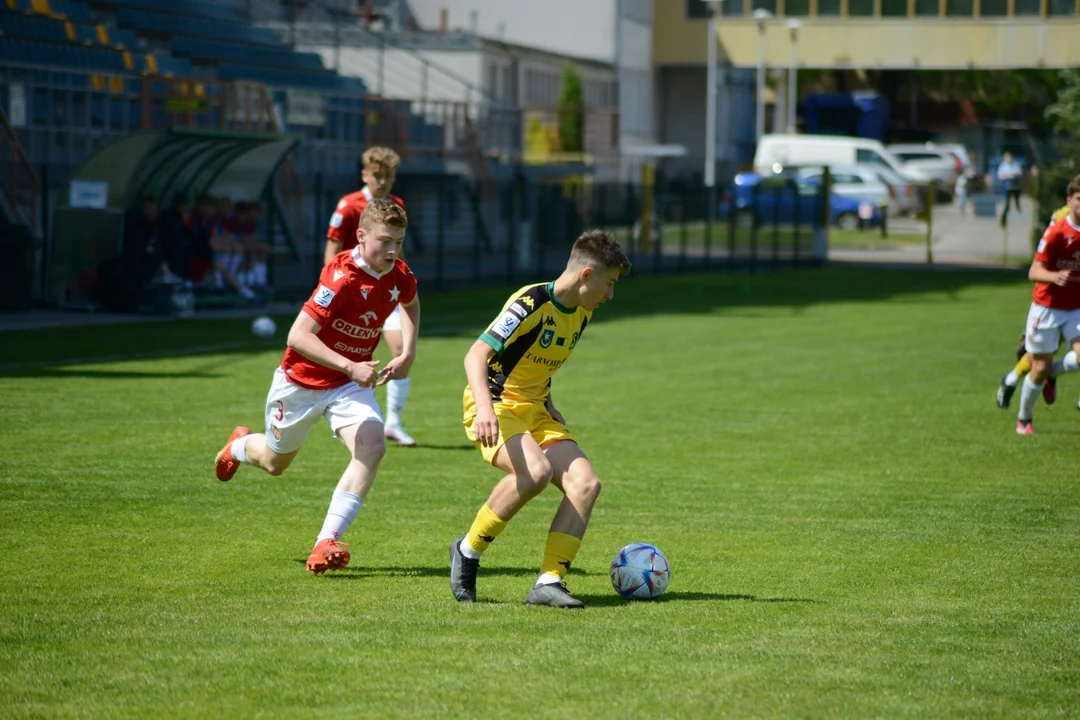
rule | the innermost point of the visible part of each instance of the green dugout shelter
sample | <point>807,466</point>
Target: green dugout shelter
<point>89,227</point>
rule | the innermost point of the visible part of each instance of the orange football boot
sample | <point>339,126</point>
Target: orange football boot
<point>328,554</point>
<point>225,465</point>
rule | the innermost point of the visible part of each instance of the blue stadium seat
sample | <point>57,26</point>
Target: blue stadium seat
<point>191,8</point>
<point>232,52</point>
<point>169,25</point>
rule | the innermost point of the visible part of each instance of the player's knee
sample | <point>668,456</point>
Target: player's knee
<point>586,486</point>
<point>370,449</point>
<point>538,473</point>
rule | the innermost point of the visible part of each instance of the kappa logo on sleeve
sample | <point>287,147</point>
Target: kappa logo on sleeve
<point>507,324</point>
<point>324,296</point>
<point>335,220</point>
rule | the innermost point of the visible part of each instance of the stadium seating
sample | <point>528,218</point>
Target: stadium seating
<point>198,49</point>
<point>166,25</point>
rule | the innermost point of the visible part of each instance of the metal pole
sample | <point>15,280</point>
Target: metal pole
<point>793,74</point>
<point>710,103</point>
<point>759,114</point>
<point>760,16</point>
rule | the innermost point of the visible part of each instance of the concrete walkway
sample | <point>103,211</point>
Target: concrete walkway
<point>957,239</point>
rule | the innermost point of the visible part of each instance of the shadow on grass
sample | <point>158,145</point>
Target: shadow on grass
<point>360,572</point>
<point>677,596</point>
<point>431,446</point>
<point>36,352</point>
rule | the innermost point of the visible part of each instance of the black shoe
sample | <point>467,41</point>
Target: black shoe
<point>553,594</point>
<point>462,573</point>
<point>1004,394</point>
<point>1021,349</point>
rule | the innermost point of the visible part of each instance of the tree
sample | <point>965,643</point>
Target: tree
<point>1064,112</point>
<point>570,114</point>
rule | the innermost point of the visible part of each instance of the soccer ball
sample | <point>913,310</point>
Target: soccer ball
<point>640,572</point>
<point>263,327</point>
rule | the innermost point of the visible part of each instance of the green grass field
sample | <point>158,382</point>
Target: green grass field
<point>855,530</point>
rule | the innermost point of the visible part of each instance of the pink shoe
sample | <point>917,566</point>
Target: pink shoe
<point>1023,427</point>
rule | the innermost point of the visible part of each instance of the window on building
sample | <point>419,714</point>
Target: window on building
<point>1027,7</point>
<point>860,8</point>
<point>769,5</point>
<point>797,8</point>
<point>959,8</point>
<point>994,8</point>
<point>1060,7</point>
<point>828,8</point>
<point>927,8</point>
<point>697,9</point>
<point>733,7</point>
<point>894,8</point>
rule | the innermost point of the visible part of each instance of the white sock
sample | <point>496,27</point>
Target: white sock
<point>239,449</point>
<point>1066,364</point>
<point>548,579</point>
<point>1012,378</point>
<point>397,393</point>
<point>344,507</point>
<point>467,550</point>
<point>1029,394</point>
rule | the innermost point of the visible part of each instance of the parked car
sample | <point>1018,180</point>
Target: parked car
<point>937,164</point>
<point>756,199</point>
<point>862,182</point>
<point>907,195</point>
<point>959,151</point>
<point>778,152</point>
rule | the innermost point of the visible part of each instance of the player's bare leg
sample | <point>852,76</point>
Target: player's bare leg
<point>1031,389</point>
<point>528,473</point>
<point>397,394</point>
<point>247,448</point>
<point>573,474</point>
<point>367,448</point>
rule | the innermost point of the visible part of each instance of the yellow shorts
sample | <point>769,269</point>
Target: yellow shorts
<point>516,418</point>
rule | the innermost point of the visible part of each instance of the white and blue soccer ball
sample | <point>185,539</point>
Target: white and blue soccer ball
<point>640,572</point>
<point>263,327</point>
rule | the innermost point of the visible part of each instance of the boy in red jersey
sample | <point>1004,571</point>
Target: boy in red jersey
<point>379,170</point>
<point>328,371</point>
<point>1055,310</point>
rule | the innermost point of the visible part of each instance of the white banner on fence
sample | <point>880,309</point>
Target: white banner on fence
<point>305,108</point>
<point>88,194</point>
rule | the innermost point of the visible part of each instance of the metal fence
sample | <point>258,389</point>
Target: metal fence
<point>520,228</point>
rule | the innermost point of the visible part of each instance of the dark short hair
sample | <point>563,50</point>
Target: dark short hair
<point>598,248</point>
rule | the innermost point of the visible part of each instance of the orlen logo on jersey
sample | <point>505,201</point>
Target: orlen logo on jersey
<point>355,331</point>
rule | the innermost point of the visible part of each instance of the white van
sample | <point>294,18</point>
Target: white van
<point>777,152</point>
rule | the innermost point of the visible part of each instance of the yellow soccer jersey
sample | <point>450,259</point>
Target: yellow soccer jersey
<point>532,337</point>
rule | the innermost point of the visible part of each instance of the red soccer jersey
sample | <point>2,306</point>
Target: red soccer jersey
<point>346,217</point>
<point>1059,249</point>
<point>350,304</point>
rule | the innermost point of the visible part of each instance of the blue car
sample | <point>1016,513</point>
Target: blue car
<point>784,199</point>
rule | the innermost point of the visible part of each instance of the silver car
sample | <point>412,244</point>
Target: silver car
<point>862,182</point>
<point>940,165</point>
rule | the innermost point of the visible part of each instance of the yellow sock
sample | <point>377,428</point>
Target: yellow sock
<point>560,551</point>
<point>485,528</point>
<point>1023,367</point>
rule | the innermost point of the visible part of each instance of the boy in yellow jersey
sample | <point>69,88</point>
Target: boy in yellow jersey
<point>510,416</point>
<point>1012,379</point>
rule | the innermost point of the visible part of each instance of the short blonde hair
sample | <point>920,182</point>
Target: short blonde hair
<point>384,212</point>
<point>380,156</point>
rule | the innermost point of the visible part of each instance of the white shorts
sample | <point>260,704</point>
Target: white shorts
<point>1046,327</point>
<point>291,410</point>
<point>394,321</point>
